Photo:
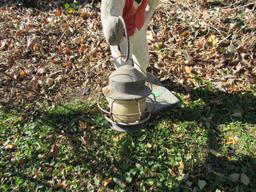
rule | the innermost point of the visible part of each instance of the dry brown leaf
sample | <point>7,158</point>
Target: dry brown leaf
<point>184,34</point>
<point>84,13</point>
<point>188,69</point>
<point>54,150</point>
<point>85,140</point>
<point>10,147</point>
<point>58,12</point>
<point>213,40</point>
<point>172,173</point>
<point>32,41</point>
<point>181,168</point>
<point>67,65</point>
<point>83,125</point>
<point>106,182</point>
<point>50,81</point>
<point>59,186</point>
<point>66,50</point>
<point>23,74</point>
<point>82,48</point>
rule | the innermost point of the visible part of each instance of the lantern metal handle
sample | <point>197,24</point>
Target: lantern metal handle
<point>127,38</point>
<point>98,104</point>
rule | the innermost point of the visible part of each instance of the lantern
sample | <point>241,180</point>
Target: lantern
<point>127,96</point>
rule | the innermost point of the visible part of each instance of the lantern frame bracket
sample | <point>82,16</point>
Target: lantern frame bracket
<point>143,117</point>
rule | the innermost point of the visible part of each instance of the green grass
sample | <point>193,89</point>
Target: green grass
<point>207,142</point>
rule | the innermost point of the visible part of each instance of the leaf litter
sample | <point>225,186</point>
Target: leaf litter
<point>56,54</point>
<point>53,55</point>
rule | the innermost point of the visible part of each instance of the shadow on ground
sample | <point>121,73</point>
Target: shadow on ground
<point>126,161</point>
<point>149,160</point>
<point>220,109</point>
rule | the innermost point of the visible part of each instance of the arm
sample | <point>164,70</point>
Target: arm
<point>112,26</point>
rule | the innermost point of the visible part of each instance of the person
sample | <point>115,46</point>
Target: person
<point>136,14</point>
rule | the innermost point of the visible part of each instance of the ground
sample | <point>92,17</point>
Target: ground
<point>54,61</point>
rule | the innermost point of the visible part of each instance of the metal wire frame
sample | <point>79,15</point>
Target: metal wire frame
<point>109,115</point>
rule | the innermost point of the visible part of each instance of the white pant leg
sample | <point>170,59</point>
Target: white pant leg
<point>140,53</point>
<point>139,40</point>
<point>149,13</point>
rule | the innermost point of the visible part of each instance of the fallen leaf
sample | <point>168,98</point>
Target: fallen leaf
<point>66,51</point>
<point>244,179</point>
<point>213,40</point>
<point>181,168</point>
<point>85,141</point>
<point>84,13</point>
<point>58,12</point>
<point>59,186</point>
<point>10,147</point>
<point>188,69</point>
<point>106,182</point>
<point>82,48</point>
<point>232,140</point>
<point>50,81</point>
<point>83,125</point>
<point>67,65</point>
<point>32,41</point>
<point>201,184</point>
<point>172,173</point>
<point>215,153</point>
<point>184,34</point>
<point>54,150</point>
<point>234,177</point>
<point>23,74</point>
<point>229,157</point>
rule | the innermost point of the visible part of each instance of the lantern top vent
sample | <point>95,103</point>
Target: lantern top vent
<point>127,83</point>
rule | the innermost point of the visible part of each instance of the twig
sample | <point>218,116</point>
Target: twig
<point>61,37</point>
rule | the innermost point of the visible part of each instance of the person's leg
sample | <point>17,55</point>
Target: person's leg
<point>150,10</point>
<point>140,52</point>
<point>139,40</point>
